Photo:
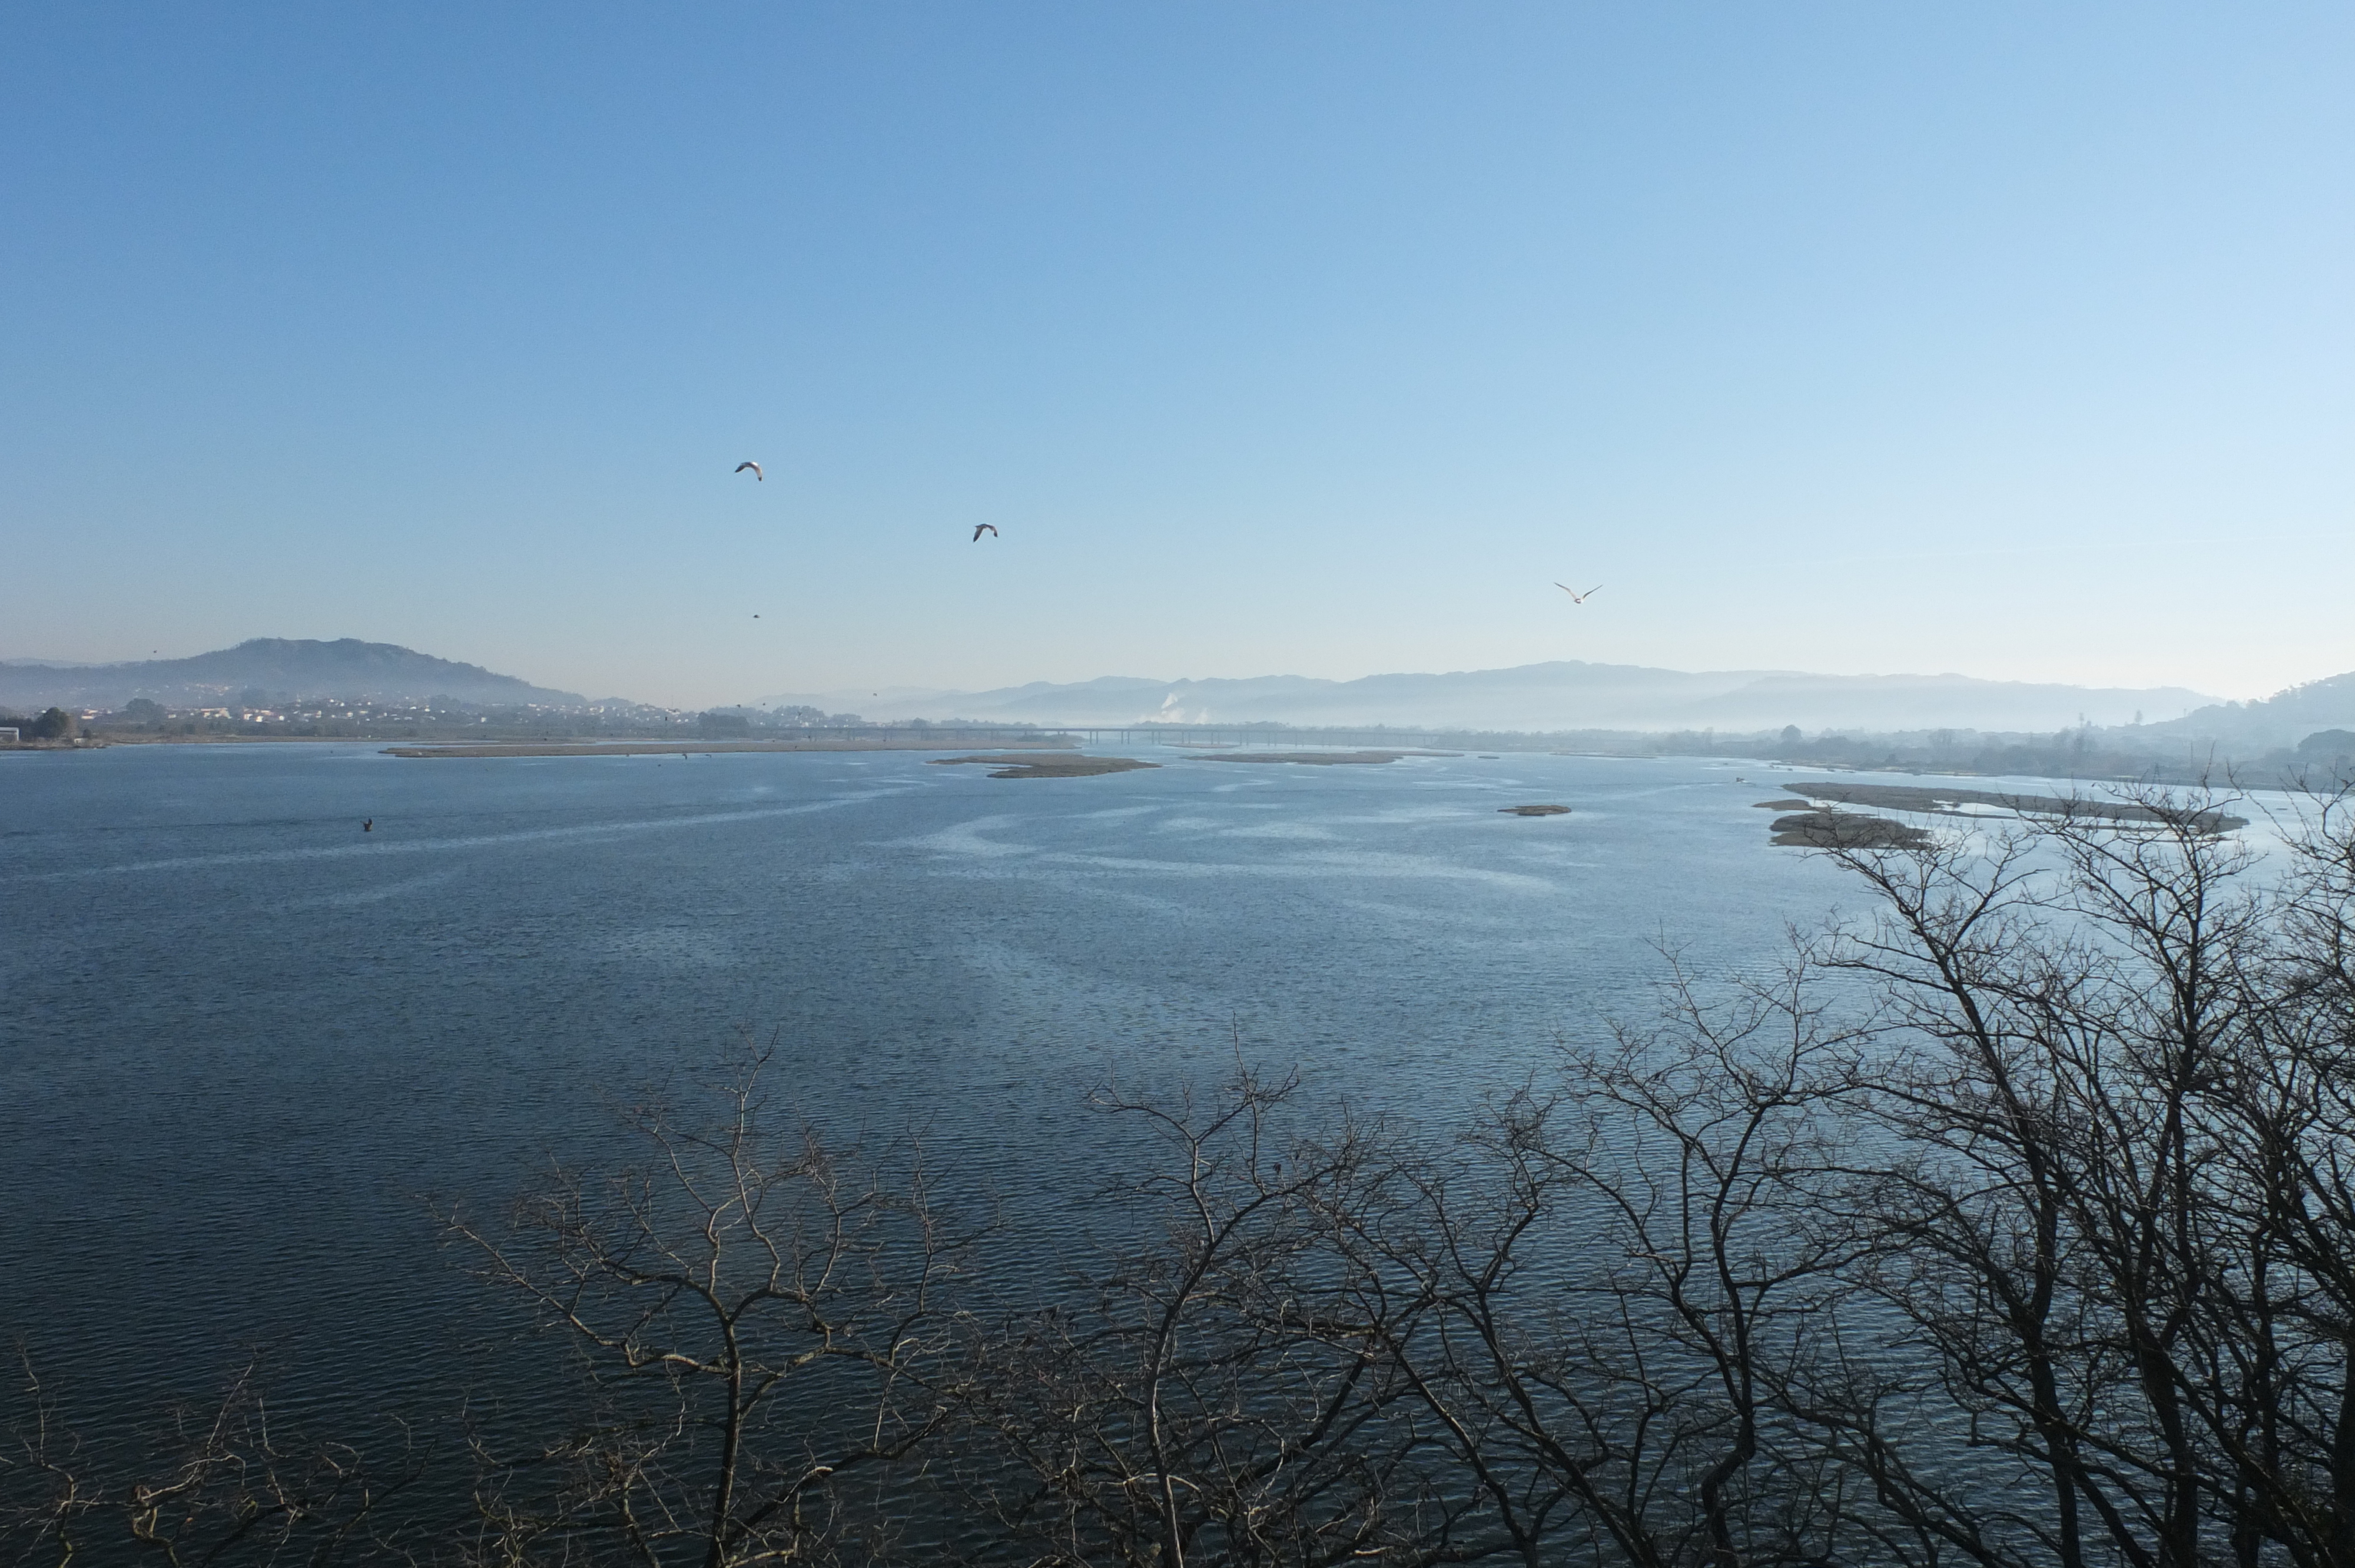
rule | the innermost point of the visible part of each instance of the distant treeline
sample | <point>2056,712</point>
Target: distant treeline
<point>2120,754</point>
<point>51,723</point>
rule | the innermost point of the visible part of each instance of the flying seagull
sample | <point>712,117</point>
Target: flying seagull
<point>1576,596</point>
<point>981,528</point>
<point>753,466</point>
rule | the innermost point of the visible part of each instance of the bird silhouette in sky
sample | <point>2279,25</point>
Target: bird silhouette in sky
<point>753,466</point>
<point>981,528</point>
<point>1576,596</point>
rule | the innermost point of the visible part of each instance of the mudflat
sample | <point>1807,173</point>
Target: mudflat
<point>1943,801</point>
<point>1845,829</point>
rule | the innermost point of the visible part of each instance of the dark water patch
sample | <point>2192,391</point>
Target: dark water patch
<point>242,1045</point>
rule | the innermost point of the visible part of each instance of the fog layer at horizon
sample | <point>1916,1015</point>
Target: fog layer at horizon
<point>1316,340</point>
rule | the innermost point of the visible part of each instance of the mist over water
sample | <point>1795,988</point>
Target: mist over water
<point>244,1041</point>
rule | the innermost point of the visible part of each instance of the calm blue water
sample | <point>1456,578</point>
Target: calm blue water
<point>241,1040</point>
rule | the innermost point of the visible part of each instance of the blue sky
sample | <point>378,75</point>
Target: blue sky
<point>1317,338</point>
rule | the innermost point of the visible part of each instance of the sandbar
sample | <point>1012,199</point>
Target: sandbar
<point>1067,765</point>
<point>1943,801</point>
<point>1322,759</point>
<point>684,747</point>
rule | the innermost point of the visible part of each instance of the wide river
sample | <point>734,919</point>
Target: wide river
<point>243,1042</point>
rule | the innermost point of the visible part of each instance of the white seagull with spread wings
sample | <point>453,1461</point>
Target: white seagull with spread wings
<point>981,528</point>
<point>1576,596</point>
<point>753,466</point>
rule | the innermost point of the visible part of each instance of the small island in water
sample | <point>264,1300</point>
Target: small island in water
<point>1845,829</point>
<point>1323,758</point>
<point>1053,765</point>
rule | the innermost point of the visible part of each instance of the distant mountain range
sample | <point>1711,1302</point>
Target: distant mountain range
<point>1543,697</point>
<point>1555,697</point>
<point>277,666</point>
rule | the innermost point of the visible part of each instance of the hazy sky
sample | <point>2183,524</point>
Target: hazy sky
<point>2012,339</point>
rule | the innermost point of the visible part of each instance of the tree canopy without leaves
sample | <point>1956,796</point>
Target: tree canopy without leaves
<point>2012,1224</point>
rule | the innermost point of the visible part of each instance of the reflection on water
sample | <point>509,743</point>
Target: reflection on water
<point>241,1040</point>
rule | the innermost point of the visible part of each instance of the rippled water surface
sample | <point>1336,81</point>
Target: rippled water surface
<point>242,1040</point>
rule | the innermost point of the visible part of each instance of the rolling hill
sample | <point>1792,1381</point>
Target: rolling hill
<point>281,667</point>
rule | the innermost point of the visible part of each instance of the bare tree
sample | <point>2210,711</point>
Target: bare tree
<point>2279,1333</point>
<point>759,1328</point>
<point>1222,1391</point>
<point>46,1495</point>
<point>1639,1277</point>
<point>2104,1141</point>
<point>221,1482</point>
<point>2031,1239</point>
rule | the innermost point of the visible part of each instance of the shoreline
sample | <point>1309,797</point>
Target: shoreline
<point>696,748</point>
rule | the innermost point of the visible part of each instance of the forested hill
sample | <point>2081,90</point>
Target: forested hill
<point>279,666</point>
<point>2284,719</point>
